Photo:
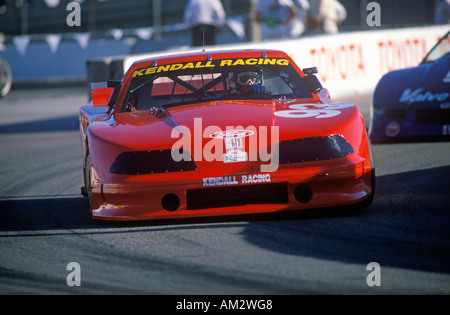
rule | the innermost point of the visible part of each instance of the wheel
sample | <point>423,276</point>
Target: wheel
<point>87,181</point>
<point>362,205</point>
<point>5,77</point>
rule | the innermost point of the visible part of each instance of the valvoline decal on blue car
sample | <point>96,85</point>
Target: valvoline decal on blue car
<point>422,84</point>
<point>415,101</point>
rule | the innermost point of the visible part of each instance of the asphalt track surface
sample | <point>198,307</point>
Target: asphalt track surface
<point>45,225</point>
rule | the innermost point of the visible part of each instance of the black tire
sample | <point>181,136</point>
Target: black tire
<point>87,183</point>
<point>366,203</point>
<point>5,77</point>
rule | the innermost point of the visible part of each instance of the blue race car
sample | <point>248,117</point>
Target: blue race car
<point>414,103</point>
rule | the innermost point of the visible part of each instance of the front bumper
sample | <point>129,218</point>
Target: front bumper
<point>315,186</point>
<point>384,128</point>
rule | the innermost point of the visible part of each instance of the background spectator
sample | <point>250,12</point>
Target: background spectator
<point>205,18</point>
<point>325,16</point>
<point>298,25</point>
<point>274,18</point>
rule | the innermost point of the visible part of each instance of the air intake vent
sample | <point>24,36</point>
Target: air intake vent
<point>237,196</point>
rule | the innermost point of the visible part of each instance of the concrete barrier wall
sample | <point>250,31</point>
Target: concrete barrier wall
<point>348,63</point>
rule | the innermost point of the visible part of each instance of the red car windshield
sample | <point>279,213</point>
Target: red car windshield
<point>208,80</point>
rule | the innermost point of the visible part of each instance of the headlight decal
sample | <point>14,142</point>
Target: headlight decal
<point>314,149</point>
<point>149,162</point>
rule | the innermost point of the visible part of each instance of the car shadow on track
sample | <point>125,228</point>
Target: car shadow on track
<point>406,226</point>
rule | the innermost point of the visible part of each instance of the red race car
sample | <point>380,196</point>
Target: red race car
<point>221,133</point>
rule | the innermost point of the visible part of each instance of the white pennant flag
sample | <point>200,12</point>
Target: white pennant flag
<point>144,33</point>
<point>53,41</point>
<point>21,43</point>
<point>82,39</point>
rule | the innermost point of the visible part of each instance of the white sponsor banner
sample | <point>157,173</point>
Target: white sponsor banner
<point>349,63</point>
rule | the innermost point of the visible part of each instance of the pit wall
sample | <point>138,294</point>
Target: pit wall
<point>348,63</point>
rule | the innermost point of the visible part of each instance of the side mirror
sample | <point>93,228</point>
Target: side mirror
<point>312,83</point>
<point>324,93</point>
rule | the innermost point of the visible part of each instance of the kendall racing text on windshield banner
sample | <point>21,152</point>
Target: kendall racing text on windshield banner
<point>211,64</point>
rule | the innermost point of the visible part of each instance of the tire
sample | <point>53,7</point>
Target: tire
<point>5,77</point>
<point>366,203</point>
<point>87,183</point>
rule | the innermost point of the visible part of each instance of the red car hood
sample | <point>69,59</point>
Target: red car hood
<point>145,130</point>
